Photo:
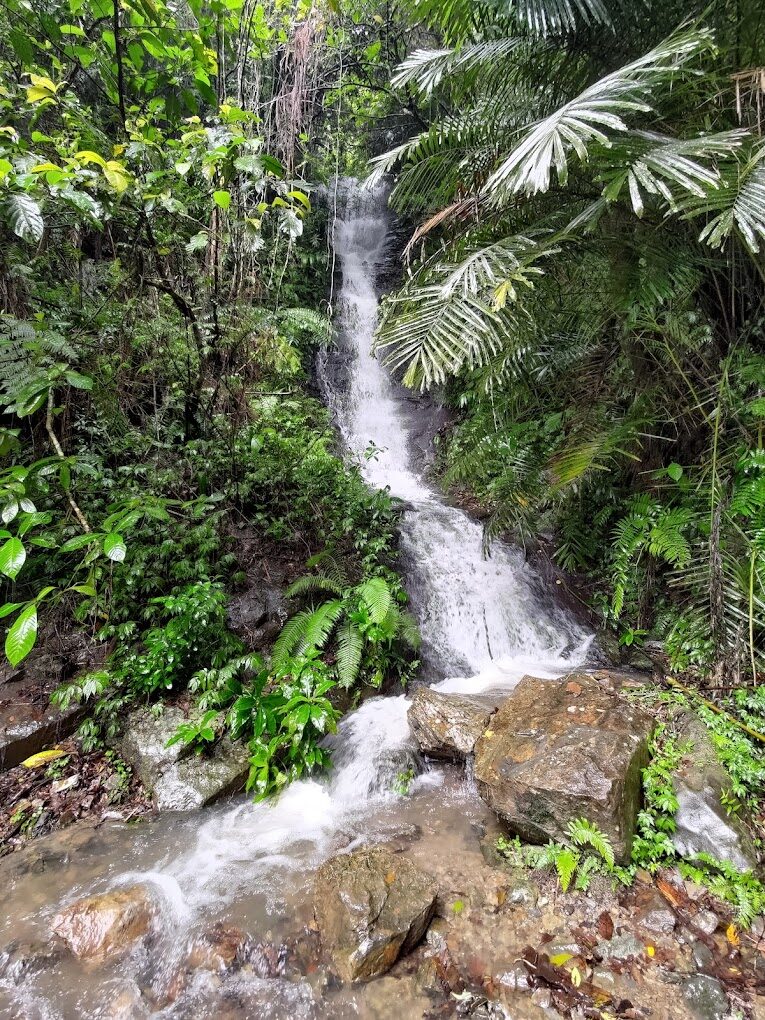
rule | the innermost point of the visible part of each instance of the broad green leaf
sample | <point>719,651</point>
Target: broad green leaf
<point>114,547</point>
<point>222,199</point>
<point>22,635</point>
<point>12,557</point>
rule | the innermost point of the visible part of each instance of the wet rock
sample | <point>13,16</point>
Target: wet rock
<point>446,725</point>
<point>26,728</point>
<point>20,960</point>
<point>221,948</point>
<point>258,614</point>
<point>143,743</point>
<point>706,921</point>
<point>105,925</point>
<point>703,825</point>
<point>563,749</point>
<point>702,956</point>
<point>127,1004</point>
<point>659,920</point>
<point>622,947</point>
<point>371,907</point>
<point>176,779</point>
<point>705,997</point>
<point>195,782</point>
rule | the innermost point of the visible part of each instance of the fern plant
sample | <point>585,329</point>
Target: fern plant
<point>366,622</point>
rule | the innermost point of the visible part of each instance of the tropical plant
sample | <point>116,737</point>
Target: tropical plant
<point>590,196</point>
<point>366,620</point>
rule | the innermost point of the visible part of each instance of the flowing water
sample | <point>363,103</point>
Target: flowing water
<point>485,621</point>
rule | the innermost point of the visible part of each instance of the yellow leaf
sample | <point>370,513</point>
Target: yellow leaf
<point>650,950</point>
<point>42,758</point>
<point>87,156</point>
<point>117,176</point>
<point>488,734</point>
<point>732,935</point>
<point>576,977</point>
<point>36,94</point>
<point>560,958</point>
<point>43,168</point>
<point>42,81</point>
<point>118,150</point>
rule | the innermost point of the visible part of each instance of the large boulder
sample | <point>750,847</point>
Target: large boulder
<point>446,725</point>
<point>371,907</point>
<point>176,779</point>
<point>197,781</point>
<point>563,749</point>
<point>703,824</point>
<point>105,925</point>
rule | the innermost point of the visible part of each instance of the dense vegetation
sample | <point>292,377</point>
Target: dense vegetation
<point>585,187</point>
<point>586,282</point>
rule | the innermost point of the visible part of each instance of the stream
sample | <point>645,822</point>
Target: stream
<point>485,621</point>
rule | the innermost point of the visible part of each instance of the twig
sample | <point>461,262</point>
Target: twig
<point>60,452</point>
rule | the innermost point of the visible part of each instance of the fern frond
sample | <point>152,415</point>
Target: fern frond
<point>375,594</point>
<point>350,646</point>
<point>583,833</point>
<point>566,861</point>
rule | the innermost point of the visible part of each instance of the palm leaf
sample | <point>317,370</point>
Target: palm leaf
<point>593,116</point>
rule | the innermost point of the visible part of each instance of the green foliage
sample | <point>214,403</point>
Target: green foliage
<point>573,858</point>
<point>370,628</point>
<point>580,213</point>
<point>403,782</point>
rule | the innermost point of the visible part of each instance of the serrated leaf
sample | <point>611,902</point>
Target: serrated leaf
<point>20,639</point>
<point>25,217</point>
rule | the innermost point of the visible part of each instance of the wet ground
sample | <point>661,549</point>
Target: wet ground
<point>501,940</point>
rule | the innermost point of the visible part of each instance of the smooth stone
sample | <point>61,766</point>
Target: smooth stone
<point>193,783</point>
<point>702,823</point>
<point>621,947</point>
<point>705,997</point>
<point>105,925</point>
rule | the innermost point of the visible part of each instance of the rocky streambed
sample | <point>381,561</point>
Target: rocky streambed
<point>404,908</point>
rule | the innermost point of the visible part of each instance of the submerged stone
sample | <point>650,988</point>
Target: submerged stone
<point>558,750</point>
<point>371,907</point>
<point>446,725</point>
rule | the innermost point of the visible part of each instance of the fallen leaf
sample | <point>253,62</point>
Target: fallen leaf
<point>605,925</point>
<point>650,950</point>
<point>390,878</point>
<point>732,935</point>
<point>574,688</point>
<point>560,958</point>
<point>42,758</point>
<point>576,977</point>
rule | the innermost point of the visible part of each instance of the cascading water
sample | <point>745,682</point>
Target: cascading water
<point>480,615</point>
<point>483,618</point>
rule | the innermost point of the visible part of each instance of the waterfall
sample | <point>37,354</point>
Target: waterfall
<point>482,616</point>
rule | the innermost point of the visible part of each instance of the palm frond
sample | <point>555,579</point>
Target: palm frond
<point>593,116</point>
<point>738,206</point>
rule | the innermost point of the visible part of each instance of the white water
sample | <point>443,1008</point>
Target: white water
<point>486,617</point>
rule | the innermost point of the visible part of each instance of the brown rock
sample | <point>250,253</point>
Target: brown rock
<point>371,907</point>
<point>220,948</point>
<point>446,725</point>
<point>563,749</point>
<point>97,927</point>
